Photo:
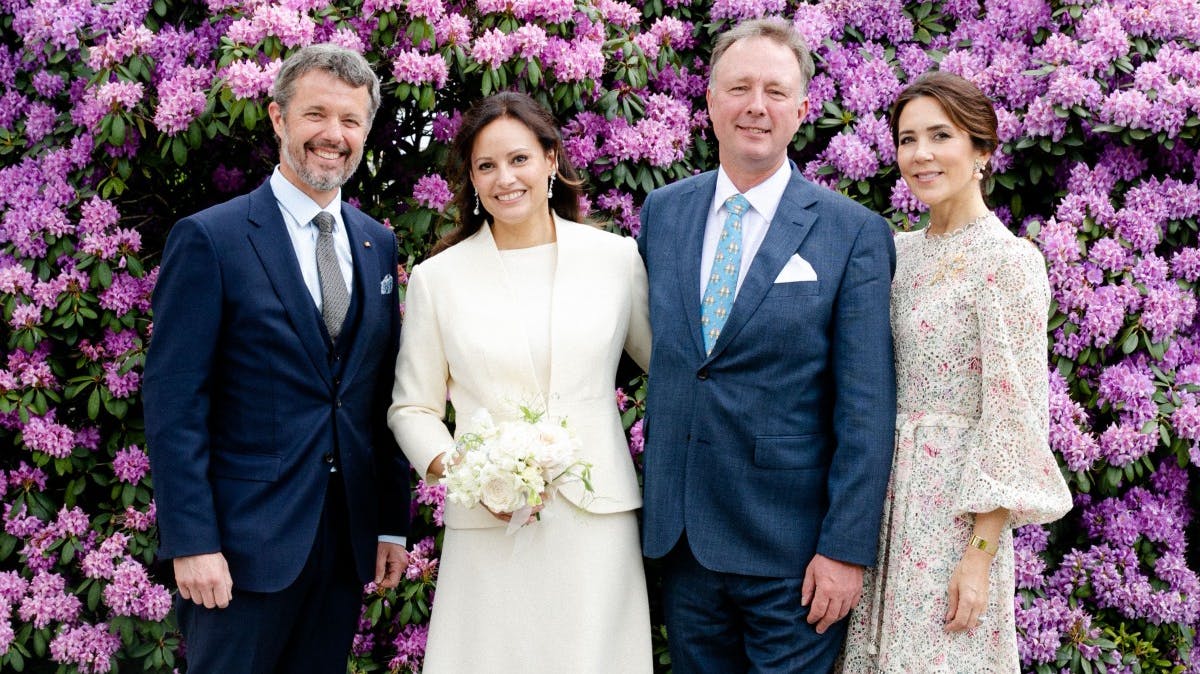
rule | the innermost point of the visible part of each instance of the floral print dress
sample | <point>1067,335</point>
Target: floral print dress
<point>969,321</point>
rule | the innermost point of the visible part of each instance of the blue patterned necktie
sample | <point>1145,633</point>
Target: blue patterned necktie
<point>722,280</point>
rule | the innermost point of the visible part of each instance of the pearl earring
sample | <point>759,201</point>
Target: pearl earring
<point>979,166</point>
<point>476,203</point>
<point>550,190</point>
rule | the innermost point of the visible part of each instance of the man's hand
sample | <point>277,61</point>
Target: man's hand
<point>204,579</point>
<point>390,561</point>
<point>831,588</point>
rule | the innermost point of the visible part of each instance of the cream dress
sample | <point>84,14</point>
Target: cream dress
<point>566,593</point>
<point>969,321</point>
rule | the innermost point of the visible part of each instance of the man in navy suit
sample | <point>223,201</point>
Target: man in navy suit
<point>276,324</point>
<point>771,405</point>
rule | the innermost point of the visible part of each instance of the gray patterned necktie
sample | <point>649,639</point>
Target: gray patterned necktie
<point>335,299</point>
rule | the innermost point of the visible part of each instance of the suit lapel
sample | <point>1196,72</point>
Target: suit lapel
<point>496,290</point>
<point>570,287</point>
<point>269,238</point>
<point>792,223</point>
<point>367,276</point>
<point>693,218</point>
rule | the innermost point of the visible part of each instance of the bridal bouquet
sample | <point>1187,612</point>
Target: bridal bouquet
<point>512,466</point>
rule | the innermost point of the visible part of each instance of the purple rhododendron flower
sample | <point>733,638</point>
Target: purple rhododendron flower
<point>132,593</point>
<point>131,464</point>
<point>181,99</point>
<point>90,648</point>
<point>48,601</point>
<point>433,192</point>
<point>417,68</point>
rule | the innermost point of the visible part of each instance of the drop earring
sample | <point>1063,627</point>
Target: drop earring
<point>476,203</point>
<point>979,165</point>
<point>550,189</point>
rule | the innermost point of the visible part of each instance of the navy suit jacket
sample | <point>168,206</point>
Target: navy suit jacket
<point>247,401</point>
<point>778,444</point>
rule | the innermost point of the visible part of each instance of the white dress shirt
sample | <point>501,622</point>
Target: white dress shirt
<point>764,200</point>
<point>298,211</point>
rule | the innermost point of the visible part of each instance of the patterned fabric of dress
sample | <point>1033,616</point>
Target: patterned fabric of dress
<point>969,320</point>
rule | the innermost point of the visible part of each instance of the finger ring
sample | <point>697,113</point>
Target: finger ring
<point>981,619</point>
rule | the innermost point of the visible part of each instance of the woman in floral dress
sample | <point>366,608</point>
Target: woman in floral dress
<point>969,308</point>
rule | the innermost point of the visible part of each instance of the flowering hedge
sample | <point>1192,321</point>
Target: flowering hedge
<point>119,116</point>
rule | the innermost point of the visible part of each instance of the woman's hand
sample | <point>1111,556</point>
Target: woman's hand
<point>968,592</point>
<point>507,517</point>
<point>437,468</point>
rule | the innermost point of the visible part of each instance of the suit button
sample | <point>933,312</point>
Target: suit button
<point>702,375</point>
<point>339,402</point>
<point>328,458</point>
<point>337,381</point>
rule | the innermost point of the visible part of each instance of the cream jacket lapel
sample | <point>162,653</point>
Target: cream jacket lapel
<point>461,339</point>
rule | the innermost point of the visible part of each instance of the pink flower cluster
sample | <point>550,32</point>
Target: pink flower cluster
<point>42,434</point>
<point>410,648</point>
<point>131,464</point>
<point>416,68</point>
<point>293,27</point>
<point>48,601</point>
<point>181,99</point>
<point>250,79</point>
<point>660,138</point>
<point>422,562</point>
<point>434,496</point>
<point>132,593</point>
<point>625,215</point>
<point>89,648</point>
<point>666,31</point>
<point>432,192</point>
<point>550,11</point>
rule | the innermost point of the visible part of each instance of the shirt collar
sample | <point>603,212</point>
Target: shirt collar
<point>301,206</point>
<point>764,197</point>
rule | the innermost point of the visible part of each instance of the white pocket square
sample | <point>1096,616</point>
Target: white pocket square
<point>796,269</point>
<point>386,285</point>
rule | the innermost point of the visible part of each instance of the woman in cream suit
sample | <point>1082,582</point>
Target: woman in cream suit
<point>522,305</point>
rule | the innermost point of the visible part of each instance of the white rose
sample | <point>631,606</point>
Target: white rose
<point>557,450</point>
<point>481,421</point>
<point>501,493</point>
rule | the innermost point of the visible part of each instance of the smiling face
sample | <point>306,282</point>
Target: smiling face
<point>321,134</point>
<point>756,101</point>
<point>511,172</point>
<point>937,160</point>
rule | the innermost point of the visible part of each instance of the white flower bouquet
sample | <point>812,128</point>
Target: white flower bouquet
<point>511,467</point>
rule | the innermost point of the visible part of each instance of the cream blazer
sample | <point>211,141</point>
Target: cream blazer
<point>461,339</point>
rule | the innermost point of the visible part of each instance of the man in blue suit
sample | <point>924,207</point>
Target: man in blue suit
<point>771,403</point>
<point>276,326</point>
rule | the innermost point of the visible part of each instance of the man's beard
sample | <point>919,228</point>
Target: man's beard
<point>318,180</point>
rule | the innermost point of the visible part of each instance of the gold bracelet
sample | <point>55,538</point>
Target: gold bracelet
<point>982,544</point>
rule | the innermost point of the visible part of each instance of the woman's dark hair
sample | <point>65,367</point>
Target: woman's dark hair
<point>521,107</point>
<point>966,106</point>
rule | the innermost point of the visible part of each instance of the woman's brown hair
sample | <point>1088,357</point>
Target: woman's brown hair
<point>521,107</point>
<point>966,106</point>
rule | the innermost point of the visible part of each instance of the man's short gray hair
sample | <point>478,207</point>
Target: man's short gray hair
<point>346,65</point>
<point>775,29</point>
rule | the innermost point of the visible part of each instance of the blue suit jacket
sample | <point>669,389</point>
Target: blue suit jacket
<point>778,444</point>
<point>245,400</point>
